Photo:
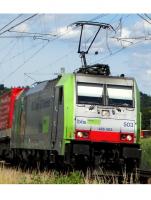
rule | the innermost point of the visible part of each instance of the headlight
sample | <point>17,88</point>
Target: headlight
<point>129,137</point>
<point>126,137</point>
<point>105,113</point>
<point>82,134</point>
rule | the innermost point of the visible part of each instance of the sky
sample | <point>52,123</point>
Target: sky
<point>38,48</point>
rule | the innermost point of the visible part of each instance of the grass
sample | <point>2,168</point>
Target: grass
<point>146,153</point>
<point>17,176</point>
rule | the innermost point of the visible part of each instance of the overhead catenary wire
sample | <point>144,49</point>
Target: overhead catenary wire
<point>54,62</point>
<point>34,53</point>
<point>25,36</point>
<point>39,37</point>
<point>57,36</point>
<point>26,61</point>
<point>144,18</point>
<point>5,56</point>
<point>148,16</point>
<point>34,33</point>
<point>18,36</point>
<point>144,37</point>
<point>130,40</point>
<point>22,52</point>
<point>14,26</point>
<point>27,74</point>
<point>98,17</point>
<point>123,47</point>
<point>10,22</point>
<point>107,43</point>
<point>116,52</point>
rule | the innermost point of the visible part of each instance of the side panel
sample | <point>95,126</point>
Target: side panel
<point>33,126</point>
<point>46,119</point>
<point>39,121</point>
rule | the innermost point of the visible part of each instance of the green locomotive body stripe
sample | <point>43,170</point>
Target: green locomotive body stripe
<point>93,121</point>
<point>68,83</point>
<point>45,124</point>
<point>138,113</point>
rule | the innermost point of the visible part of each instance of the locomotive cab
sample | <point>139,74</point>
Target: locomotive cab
<point>107,107</point>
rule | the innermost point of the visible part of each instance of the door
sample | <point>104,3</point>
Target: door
<point>58,119</point>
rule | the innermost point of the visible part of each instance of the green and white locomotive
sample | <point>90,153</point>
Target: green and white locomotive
<point>94,118</point>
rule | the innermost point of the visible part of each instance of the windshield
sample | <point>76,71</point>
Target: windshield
<point>106,95</point>
<point>90,94</point>
<point>120,96</point>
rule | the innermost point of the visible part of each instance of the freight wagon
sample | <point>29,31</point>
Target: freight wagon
<point>7,102</point>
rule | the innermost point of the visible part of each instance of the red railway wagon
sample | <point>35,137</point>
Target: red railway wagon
<point>145,133</point>
<point>7,103</point>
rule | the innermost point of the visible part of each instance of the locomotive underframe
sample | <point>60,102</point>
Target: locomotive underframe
<point>99,154</point>
<point>79,154</point>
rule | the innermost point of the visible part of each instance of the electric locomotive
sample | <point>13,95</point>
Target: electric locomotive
<point>77,117</point>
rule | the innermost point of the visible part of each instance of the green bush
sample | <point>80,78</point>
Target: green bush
<point>146,153</point>
<point>53,178</point>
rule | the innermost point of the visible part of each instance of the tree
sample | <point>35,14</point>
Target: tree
<point>146,111</point>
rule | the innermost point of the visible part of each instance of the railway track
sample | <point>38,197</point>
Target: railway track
<point>139,176</point>
<point>145,176</point>
<point>4,164</point>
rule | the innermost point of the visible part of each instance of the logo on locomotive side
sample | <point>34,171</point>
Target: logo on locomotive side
<point>81,121</point>
<point>95,122</point>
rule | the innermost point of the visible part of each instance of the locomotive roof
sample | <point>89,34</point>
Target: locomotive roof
<point>41,85</point>
<point>102,76</point>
